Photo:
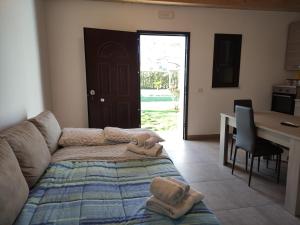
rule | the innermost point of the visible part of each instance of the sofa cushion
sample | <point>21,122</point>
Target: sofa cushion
<point>49,127</point>
<point>117,134</point>
<point>120,135</point>
<point>13,187</point>
<point>30,149</point>
<point>82,137</point>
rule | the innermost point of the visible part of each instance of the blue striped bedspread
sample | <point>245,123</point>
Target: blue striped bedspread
<point>88,193</point>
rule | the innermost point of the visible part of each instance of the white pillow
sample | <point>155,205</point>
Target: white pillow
<point>82,137</point>
<point>134,131</point>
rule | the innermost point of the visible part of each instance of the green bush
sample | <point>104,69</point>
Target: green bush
<point>158,79</point>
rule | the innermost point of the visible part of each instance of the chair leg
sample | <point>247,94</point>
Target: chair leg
<point>279,165</point>
<point>232,141</point>
<point>234,158</point>
<point>258,164</point>
<point>251,167</point>
<point>267,163</point>
<point>247,161</point>
<point>276,163</point>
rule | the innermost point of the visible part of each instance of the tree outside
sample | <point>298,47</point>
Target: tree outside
<point>162,65</point>
<point>159,99</point>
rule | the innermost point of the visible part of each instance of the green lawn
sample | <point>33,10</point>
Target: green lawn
<point>157,98</point>
<point>159,120</point>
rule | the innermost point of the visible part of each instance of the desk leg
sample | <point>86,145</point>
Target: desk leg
<point>292,195</point>
<point>223,140</point>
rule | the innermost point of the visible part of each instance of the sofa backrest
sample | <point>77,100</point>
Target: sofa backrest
<point>30,149</point>
<point>13,187</point>
<point>49,127</point>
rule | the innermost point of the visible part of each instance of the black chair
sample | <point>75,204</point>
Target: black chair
<point>241,102</point>
<point>247,140</point>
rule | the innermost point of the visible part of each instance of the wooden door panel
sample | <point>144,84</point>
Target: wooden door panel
<point>123,80</point>
<point>97,120</point>
<point>103,78</point>
<point>112,71</point>
<point>123,114</point>
<point>107,110</point>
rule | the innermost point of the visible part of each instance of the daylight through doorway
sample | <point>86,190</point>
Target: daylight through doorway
<point>162,75</point>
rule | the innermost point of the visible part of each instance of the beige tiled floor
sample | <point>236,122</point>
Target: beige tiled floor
<point>227,195</point>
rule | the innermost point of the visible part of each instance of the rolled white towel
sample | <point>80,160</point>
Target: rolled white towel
<point>150,142</point>
<point>168,190</point>
<point>156,150</point>
<point>178,210</point>
<point>184,185</point>
<point>140,138</point>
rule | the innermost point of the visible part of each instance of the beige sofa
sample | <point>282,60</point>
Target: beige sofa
<point>27,149</point>
<point>25,153</point>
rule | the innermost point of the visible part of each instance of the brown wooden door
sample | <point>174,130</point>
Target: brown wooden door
<point>112,78</point>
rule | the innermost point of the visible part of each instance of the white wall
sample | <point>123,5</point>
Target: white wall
<point>22,68</point>
<point>262,62</point>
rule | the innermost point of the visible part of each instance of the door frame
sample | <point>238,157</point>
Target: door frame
<point>186,69</point>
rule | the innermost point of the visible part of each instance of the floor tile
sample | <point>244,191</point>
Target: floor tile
<point>230,194</point>
<point>196,172</point>
<point>262,215</point>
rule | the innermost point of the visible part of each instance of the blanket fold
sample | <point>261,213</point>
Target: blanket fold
<point>156,150</point>
<point>178,210</point>
<point>168,190</point>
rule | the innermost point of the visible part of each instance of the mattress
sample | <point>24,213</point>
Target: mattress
<point>103,192</point>
<point>112,153</point>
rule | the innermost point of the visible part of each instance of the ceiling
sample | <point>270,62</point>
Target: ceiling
<point>267,5</point>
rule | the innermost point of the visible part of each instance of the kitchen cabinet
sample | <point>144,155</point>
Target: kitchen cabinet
<point>292,61</point>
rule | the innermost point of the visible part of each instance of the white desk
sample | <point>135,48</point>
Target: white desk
<point>269,127</point>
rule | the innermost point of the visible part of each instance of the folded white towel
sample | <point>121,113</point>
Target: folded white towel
<point>178,210</point>
<point>184,185</point>
<point>140,138</point>
<point>156,150</point>
<point>168,190</point>
<point>150,142</point>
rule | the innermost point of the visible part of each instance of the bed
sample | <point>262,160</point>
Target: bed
<point>102,185</point>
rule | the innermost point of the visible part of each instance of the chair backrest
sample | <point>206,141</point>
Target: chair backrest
<point>246,131</point>
<point>242,102</point>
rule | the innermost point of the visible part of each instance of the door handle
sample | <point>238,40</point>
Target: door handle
<point>92,92</point>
